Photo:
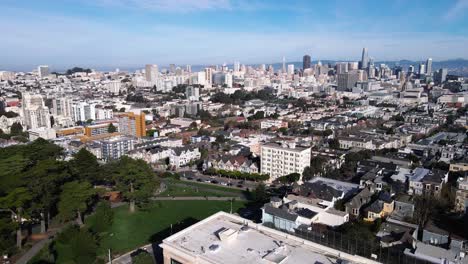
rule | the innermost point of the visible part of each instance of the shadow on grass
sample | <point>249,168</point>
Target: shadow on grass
<point>158,237</point>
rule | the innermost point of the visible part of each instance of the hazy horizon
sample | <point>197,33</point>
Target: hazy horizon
<point>127,33</point>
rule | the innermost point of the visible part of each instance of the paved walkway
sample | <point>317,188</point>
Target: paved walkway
<point>198,198</point>
<point>26,257</point>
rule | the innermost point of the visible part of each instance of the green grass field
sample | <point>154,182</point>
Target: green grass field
<point>189,188</point>
<point>131,230</point>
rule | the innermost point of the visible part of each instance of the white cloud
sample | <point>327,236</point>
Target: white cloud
<point>459,8</point>
<point>182,6</point>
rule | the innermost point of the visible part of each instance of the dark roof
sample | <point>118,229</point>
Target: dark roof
<point>373,164</point>
<point>375,207</point>
<point>281,213</point>
<point>436,176</point>
<point>386,197</point>
<point>320,190</point>
<point>304,212</point>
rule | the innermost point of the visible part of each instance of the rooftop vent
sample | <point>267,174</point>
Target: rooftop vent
<point>214,247</point>
<point>226,234</point>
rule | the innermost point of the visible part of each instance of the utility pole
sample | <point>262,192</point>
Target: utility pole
<point>110,257</point>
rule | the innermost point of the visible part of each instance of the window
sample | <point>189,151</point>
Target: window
<point>173,261</point>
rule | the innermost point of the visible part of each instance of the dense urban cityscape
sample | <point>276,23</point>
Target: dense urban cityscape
<point>233,131</point>
<point>365,162</point>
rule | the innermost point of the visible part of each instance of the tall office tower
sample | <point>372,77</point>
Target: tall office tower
<point>411,69</point>
<point>371,71</point>
<point>151,72</point>
<point>341,67</point>
<point>271,68</point>
<point>284,64</point>
<point>364,59</point>
<point>43,71</point>
<point>306,62</point>
<point>188,68</point>
<point>224,68</point>
<point>290,69</point>
<point>131,124</point>
<point>228,80</point>
<point>397,70</point>
<point>346,81</point>
<point>36,114</point>
<point>236,66</point>
<point>429,66</point>
<point>172,68</point>
<point>208,76</point>
<point>441,75</point>
<point>263,67</point>
<point>422,68</point>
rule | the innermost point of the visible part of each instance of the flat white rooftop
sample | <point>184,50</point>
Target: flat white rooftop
<point>225,238</point>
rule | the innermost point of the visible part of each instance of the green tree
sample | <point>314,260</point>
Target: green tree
<point>16,129</point>
<point>44,181</point>
<point>135,179</point>
<point>75,199</point>
<point>290,178</point>
<point>111,128</point>
<point>104,216</point>
<point>334,143</point>
<point>259,194</point>
<point>257,115</point>
<point>18,201</point>
<point>220,139</point>
<point>7,238</point>
<point>424,207</point>
<point>79,244</point>
<point>84,166</point>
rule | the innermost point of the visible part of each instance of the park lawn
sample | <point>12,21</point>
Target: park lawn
<point>184,189</point>
<point>200,185</point>
<point>132,230</point>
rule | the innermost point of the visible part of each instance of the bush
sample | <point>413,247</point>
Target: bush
<point>143,258</point>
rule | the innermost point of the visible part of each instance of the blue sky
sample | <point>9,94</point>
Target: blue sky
<point>131,33</point>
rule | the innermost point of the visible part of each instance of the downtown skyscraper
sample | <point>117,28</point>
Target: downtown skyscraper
<point>364,59</point>
<point>306,62</point>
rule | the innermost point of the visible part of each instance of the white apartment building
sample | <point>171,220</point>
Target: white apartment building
<point>36,114</point>
<point>62,106</point>
<point>7,76</point>
<point>104,114</point>
<point>83,111</point>
<point>113,87</point>
<point>280,159</point>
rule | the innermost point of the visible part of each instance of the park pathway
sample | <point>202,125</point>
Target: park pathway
<point>198,198</point>
<point>26,257</point>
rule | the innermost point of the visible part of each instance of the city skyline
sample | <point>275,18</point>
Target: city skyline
<point>131,33</point>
